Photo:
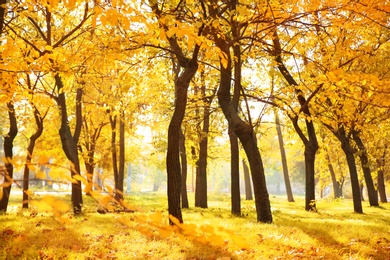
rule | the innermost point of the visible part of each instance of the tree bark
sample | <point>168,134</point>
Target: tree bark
<point>30,149</point>
<point>246,135</point>
<point>69,142</point>
<point>381,177</point>
<point>8,153</point>
<point>345,145</point>
<point>234,173</point>
<point>310,141</point>
<point>173,155</point>
<point>201,173</point>
<point>381,186</point>
<point>372,193</point>
<point>286,175</point>
<point>248,184</point>
<point>114,154</point>
<point>184,171</point>
<point>122,158</point>
<point>337,186</point>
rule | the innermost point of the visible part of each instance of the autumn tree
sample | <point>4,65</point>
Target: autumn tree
<point>242,129</point>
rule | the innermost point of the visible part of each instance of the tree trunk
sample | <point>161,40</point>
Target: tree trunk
<point>235,173</point>
<point>310,142</point>
<point>372,193</point>
<point>8,153</point>
<point>201,177</point>
<point>345,145</point>
<point>30,150</point>
<point>184,171</point>
<point>121,169</point>
<point>69,143</point>
<point>114,154</point>
<point>286,175</point>
<point>173,156</point>
<point>337,188</point>
<point>381,186</point>
<point>246,135</point>
<point>310,155</point>
<point>361,189</point>
<point>247,179</point>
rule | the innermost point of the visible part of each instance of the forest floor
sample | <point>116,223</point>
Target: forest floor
<point>334,232</point>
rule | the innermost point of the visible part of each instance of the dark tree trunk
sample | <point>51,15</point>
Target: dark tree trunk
<point>182,82</point>
<point>235,174</point>
<point>310,141</point>
<point>121,169</point>
<point>381,177</point>
<point>361,188</point>
<point>201,177</point>
<point>337,186</point>
<point>30,150</point>
<point>184,171</point>
<point>114,154</point>
<point>345,145</point>
<point>247,179</point>
<point>286,175</point>
<point>246,135</point>
<point>310,155</point>
<point>234,148</point>
<point>173,156</point>
<point>89,156</point>
<point>8,153</point>
<point>69,142</point>
<point>372,193</point>
<point>381,186</point>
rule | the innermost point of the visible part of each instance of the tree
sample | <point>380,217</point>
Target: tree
<point>189,67</point>
<point>13,130</point>
<point>33,138</point>
<point>286,175</point>
<point>243,130</point>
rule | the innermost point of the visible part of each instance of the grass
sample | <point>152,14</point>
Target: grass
<point>334,232</point>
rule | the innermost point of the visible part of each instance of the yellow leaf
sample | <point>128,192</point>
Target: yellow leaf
<point>78,177</point>
<point>216,240</point>
<point>174,220</point>
<point>43,159</point>
<point>88,187</point>
<point>40,175</point>
<point>207,229</point>
<point>61,206</point>
<point>240,242</point>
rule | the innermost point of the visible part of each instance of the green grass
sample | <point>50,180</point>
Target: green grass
<point>335,232</point>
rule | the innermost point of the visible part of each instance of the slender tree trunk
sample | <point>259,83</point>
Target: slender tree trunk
<point>247,138</point>
<point>372,193</point>
<point>337,188</point>
<point>121,169</point>
<point>381,177</point>
<point>173,155</point>
<point>234,148</point>
<point>247,179</point>
<point>345,145</point>
<point>235,174</point>
<point>286,175</point>
<point>201,176</point>
<point>310,141</point>
<point>184,170</point>
<point>69,142</point>
<point>361,189</point>
<point>381,186</point>
<point>8,153</point>
<point>30,150</point>
<point>114,154</point>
